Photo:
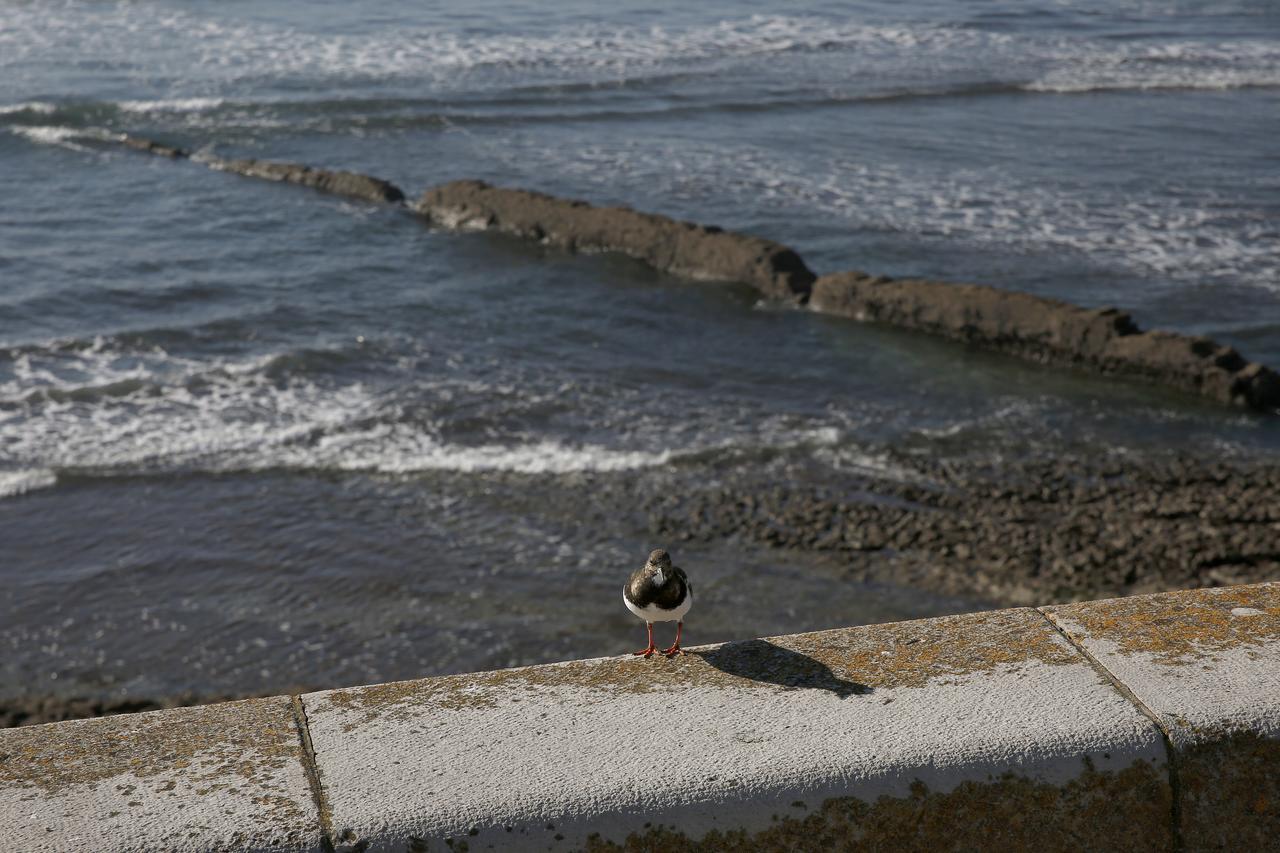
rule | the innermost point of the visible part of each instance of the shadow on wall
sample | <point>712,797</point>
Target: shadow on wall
<point>760,660</point>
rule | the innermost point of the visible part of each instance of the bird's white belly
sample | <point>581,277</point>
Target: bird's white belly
<point>653,613</point>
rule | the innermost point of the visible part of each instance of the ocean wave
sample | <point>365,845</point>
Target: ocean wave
<point>234,50</point>
<point>1180,236</point>
<point>210,52</point>
<point>171,105</point>
<point>107,408</point>
<point>1171,65</point>
<point>43,108</point>
<point>205,61</point>
<point>64,137</point>
<point>407,449</point>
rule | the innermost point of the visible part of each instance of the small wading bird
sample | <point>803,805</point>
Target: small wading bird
<point>659,592</point>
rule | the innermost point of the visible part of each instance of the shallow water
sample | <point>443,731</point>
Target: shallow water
<point>253,437</point>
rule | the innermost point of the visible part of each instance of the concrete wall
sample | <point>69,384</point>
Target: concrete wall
<point>1147,723</point>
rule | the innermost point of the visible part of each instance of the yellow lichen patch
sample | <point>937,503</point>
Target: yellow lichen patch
<point>1179,627</point>
<point>208,749</point>
<point>1127,810</point>
<point>845,662</point>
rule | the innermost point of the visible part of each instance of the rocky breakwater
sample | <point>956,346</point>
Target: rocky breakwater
<point>1048,331</point>
<point>350,184</point>
<point>150,146</point>
<point>668,245</point>
<point>1103,340</point>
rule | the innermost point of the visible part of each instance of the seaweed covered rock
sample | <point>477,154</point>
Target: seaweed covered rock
<point>1047,330</point>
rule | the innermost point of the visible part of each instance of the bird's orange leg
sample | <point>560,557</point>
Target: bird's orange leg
<point>675,647</point>
<point>652,648</point>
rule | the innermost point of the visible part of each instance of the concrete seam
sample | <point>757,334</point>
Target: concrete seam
<point>1171,757</point>
<point>312,770</point>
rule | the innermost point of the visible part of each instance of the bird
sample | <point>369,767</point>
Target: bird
<point>659,592</point>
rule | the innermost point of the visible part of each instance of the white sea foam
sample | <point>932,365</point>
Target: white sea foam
<point>227,49</point>
<point>1089,67</point>
<point>1181,236</point>
<point>38,107</point>
<point>404,448</point>
<point>13,483</point>
<point>98,407</point>
<point>173,105</point>
<point>65,137</point>
<point>873,464</point>
<point>204,54</point>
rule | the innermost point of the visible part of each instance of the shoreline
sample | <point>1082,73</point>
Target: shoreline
<point>1050,531</point>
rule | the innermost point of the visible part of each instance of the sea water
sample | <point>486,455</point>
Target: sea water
<point>254,437</point>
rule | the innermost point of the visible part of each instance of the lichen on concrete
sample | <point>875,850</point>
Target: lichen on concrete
<point>1206,663</point>
<point>238,761</point>
<point>1179,628</point>
<point>1230,793</point>
<point>1123,811</point>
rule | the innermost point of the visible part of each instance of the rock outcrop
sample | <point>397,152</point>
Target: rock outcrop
<point>1104,340</point>
<point>150,146</point>
<point>350,184</point>
<point>1048,331</point>
<point>668,245</point>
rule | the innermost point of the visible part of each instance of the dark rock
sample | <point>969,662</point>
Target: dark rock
<point>32,710</point>
<point>682,248</point>
<point>150,146</point>
<point>350,184</point>
<point>1050,331</point>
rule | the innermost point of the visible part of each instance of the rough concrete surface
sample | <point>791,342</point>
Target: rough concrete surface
<point>979,729</point>
<point>217,777</point>
<point>1206,663</point>
<point>1050,331</point>
<point>682,248</point>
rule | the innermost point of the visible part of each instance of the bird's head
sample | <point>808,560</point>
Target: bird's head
<point>660,562</point>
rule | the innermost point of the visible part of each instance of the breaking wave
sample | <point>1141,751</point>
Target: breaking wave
<point>106,408</point>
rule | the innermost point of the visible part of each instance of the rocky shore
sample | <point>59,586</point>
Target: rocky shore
<point>1058,529</point>
<point>1063,528</point>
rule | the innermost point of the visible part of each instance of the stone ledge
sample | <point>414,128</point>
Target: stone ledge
<point>1014,729</point>
<point>214,777</point>
<point>1206,665</point>
<point>986,730</point>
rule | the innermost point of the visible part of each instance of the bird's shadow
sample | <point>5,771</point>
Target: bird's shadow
<point>760,660</point>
